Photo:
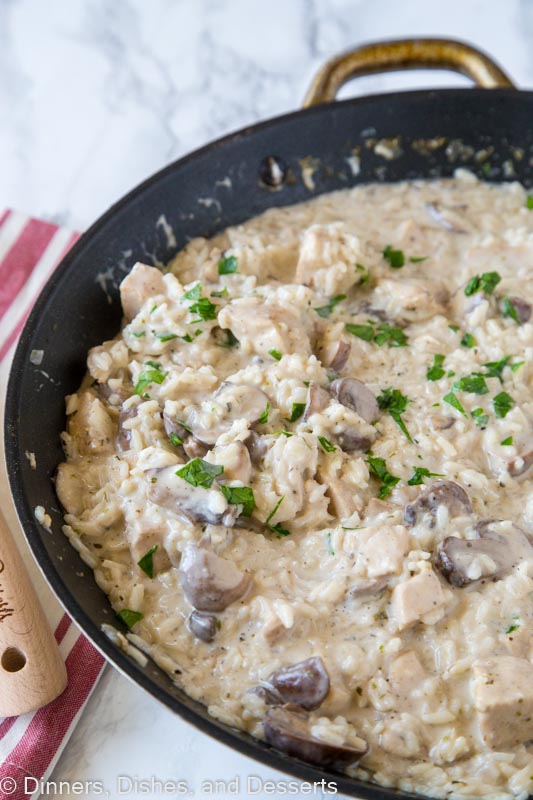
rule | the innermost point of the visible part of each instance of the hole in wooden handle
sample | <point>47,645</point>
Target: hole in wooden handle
<point>13,660</point>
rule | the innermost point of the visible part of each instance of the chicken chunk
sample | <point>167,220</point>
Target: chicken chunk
<point>410,300</point>
<point>328,255</point>
<point>419,599</point>
<point>503,698</point>
<point>142,539</point>
<point>263,327</point>
<point>92,427</point>
<point>140,284</point>
<point>406,673</point>
<point>382,550</point>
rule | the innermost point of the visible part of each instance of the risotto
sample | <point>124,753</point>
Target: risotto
<point>302,474</point>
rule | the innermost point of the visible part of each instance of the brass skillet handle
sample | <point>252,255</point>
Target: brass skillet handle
<point>404,54</point>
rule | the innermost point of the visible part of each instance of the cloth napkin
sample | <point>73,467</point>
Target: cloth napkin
<point>30,745</point>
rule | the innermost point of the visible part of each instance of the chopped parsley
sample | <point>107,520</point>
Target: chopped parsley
<point>507,442</point>
<point>138,334</point>
<point>480,417</point>
<point>296,411</point>
<point>149,376</point>
<point>419,473</point>
<point>205,309</point>
<point>222,293</point>
<point>326,445</point>
<point>227,265</point>
<point>366,274</point>
<point>240,496</point>
<point>174,439</point>
<point>325,311</point>
<point>129,617</point>
<point>453,401</point>
<point>230,339</point>
<point>195,293</point>
<point>200,473</point>
<point>474,384</point>
<point>515,624</point>
<point>329,546</point>
<point>494,369</point>
<point>275,354</point>
<point>165,337</point>
<point>277,528</point>
<point>509,310</point>
<point>187,337</point>
<point>393,401</point>
<point>395,258</point>
<point>147,561</point>
<point>418,259</point>
<point>365,332</point>
<point>435,371</point>
<point>529,202</point>
<point>453,328</point>
<point>378,468</point>
<point>502,404</point>
<point>468,340</point>
<point>486,282</point>
<point>264,416</point>
<point>394,337</point>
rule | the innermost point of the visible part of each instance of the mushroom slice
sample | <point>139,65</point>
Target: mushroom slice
<point>317,399</point>
<point>203,626</point>
<point>355,395</point>
<point>522,308</point>
<point>440,493</point>
<point>256,446</point>
<point>138,286</point>
<point>191,446</point>
<point>124,434</point>
<point>336,355</point>
<point>500,546</point>
<point>195,503</point>
<point>353,441</point>
<point>289,730</point>
<point>210,583</point>
<point>521,463</point>
<point>306,684</point>
<point>232,401</point>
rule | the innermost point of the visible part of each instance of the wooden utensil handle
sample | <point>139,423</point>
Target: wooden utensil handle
<point>32,672</point>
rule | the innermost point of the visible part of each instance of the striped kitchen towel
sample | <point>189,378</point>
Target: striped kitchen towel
<point>30,745</point>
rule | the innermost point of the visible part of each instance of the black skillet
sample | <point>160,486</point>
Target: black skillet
<point>489,130</point>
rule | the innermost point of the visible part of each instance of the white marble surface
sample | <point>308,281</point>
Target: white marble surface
<point>97,94</point>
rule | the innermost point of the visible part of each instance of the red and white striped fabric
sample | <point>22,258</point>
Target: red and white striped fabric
<point>30,745</point>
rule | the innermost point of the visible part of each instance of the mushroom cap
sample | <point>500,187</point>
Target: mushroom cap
<point>232,401</point>
<point>446,493</point>
<point>305,684</point>
<point>289,730</point>
<point>210,583</point>
<point>357,396</point>
<point>203,626</point>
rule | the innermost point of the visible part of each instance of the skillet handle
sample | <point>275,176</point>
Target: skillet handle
<point>32,672</point>
<point>404,54</point>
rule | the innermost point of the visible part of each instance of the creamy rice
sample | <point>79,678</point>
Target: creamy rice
<point>387,541</point>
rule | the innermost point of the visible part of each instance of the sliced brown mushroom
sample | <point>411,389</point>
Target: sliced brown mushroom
<point>256,446</point>
<point>210,583</point>
<point>353,441</point>
<point>335,355</point>
<point>355,395</point>
<point>191,446</point>
<point>369,588</point>
<point>440,493</point>
<point>124,434</point>
<point>289,730</point>
<point>317,399</point>
<point>306,684</point>
<point>522,462</point>
<point>203,626</point>
<point>235,401</point>
<point>503,542</point>
<point>439,423</point>
<point>196,503</point>
<point>522,308</point>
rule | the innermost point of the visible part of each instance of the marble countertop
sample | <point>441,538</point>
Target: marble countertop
<point>96,95</point>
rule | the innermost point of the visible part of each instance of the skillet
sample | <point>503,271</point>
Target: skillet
<point>326,146</point>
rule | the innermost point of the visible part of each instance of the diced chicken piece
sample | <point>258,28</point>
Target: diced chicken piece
<point>235,458</point>
<point>410,299</point>
<point>382,550</point>
<point>333,349</point>
<point>142,539</point>
<point>92,427</point>
<point>406,673</point>
<point>70,489</point>
<point>262,327</point>
<point>290,462</point>
<point>138,286</point>
<point>421,598</point>
<point>503,698</point>
<point>328,258</point>
<point>342,495</point>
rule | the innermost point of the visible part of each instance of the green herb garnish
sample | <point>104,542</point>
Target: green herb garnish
<point>200,473</point>
<point>453,401</point>
<point>494,369</point>
<point>419,473</point>
<point>296,411</point>
<point>393,401</point>
<point>195,293</point>
<point>365,332</point>
<point>227,265</point>
<point>165,337</point>
<point>329,547</point>
<point>129,617</point>
<point>275,354</point>
<point>147,377</point>
<point>395,258</point>
<point>325,311</point>
<point>378,468</point>
<point>326,444</point>
<point>418,259</point>
<point>175,440</point>
<point>222,293</point>
<point>205,309</point>
<point>480,417</point>
<point>507,442</point>
<point>435,371</point>
<point>138,334</point>
<point>264,416</point>
<point>474,384</point>
<point>468,340</point>
<point>366,274</point>
<point>394,337</point>
<point>502,404</point>
<point>509,310</point>
<point>147,561</point>
<point>277,528</point>
<point>453,328</point>
<point>240,496</point>
<point>486,282</point>
<point>529,202</point>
